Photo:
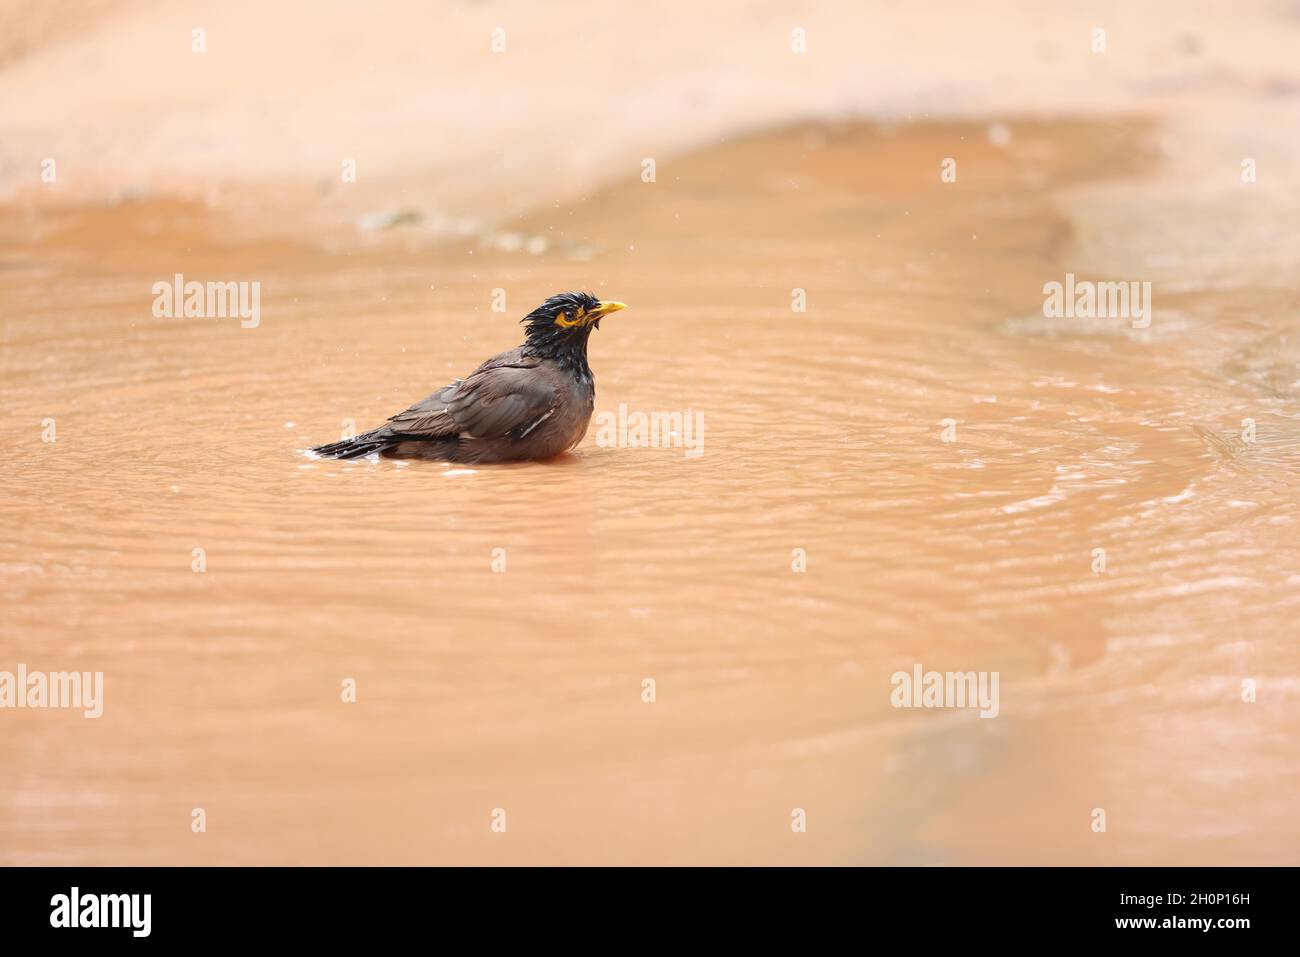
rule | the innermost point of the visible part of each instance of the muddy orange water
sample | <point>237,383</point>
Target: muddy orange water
<point>942,460</point>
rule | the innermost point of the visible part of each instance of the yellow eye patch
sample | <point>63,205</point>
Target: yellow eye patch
<point>562,320</point>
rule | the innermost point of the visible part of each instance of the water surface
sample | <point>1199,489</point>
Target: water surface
<point>522,688</point>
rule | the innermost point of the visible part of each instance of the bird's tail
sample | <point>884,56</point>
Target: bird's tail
<point>357,446</point>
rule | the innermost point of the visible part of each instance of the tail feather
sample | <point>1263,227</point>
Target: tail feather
<point>357,446</point>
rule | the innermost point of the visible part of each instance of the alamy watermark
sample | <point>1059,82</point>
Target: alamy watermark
<point>946,689</point>
<point>179,299</point>
<point>75,909</point>
<point>656,430</point>
<point>1098,300</point>
<point>53,689</point>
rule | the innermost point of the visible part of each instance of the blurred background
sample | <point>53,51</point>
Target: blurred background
<point>764,183</point>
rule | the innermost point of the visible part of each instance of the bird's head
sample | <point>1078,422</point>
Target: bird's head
<point>566,320</point>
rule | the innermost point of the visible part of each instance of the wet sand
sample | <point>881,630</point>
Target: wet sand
<point>522,689</point>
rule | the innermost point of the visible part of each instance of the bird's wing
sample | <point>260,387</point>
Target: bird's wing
<point>493,401</point>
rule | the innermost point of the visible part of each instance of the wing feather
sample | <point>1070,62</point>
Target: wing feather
<point>493,401</point>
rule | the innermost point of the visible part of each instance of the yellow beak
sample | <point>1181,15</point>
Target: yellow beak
<point>605,308</point>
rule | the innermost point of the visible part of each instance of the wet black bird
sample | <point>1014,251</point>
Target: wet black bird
<point>532,402</point>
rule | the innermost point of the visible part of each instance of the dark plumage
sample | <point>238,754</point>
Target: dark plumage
<point>532,402</point>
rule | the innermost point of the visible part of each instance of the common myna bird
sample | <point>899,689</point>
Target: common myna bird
<point>532,402</point>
